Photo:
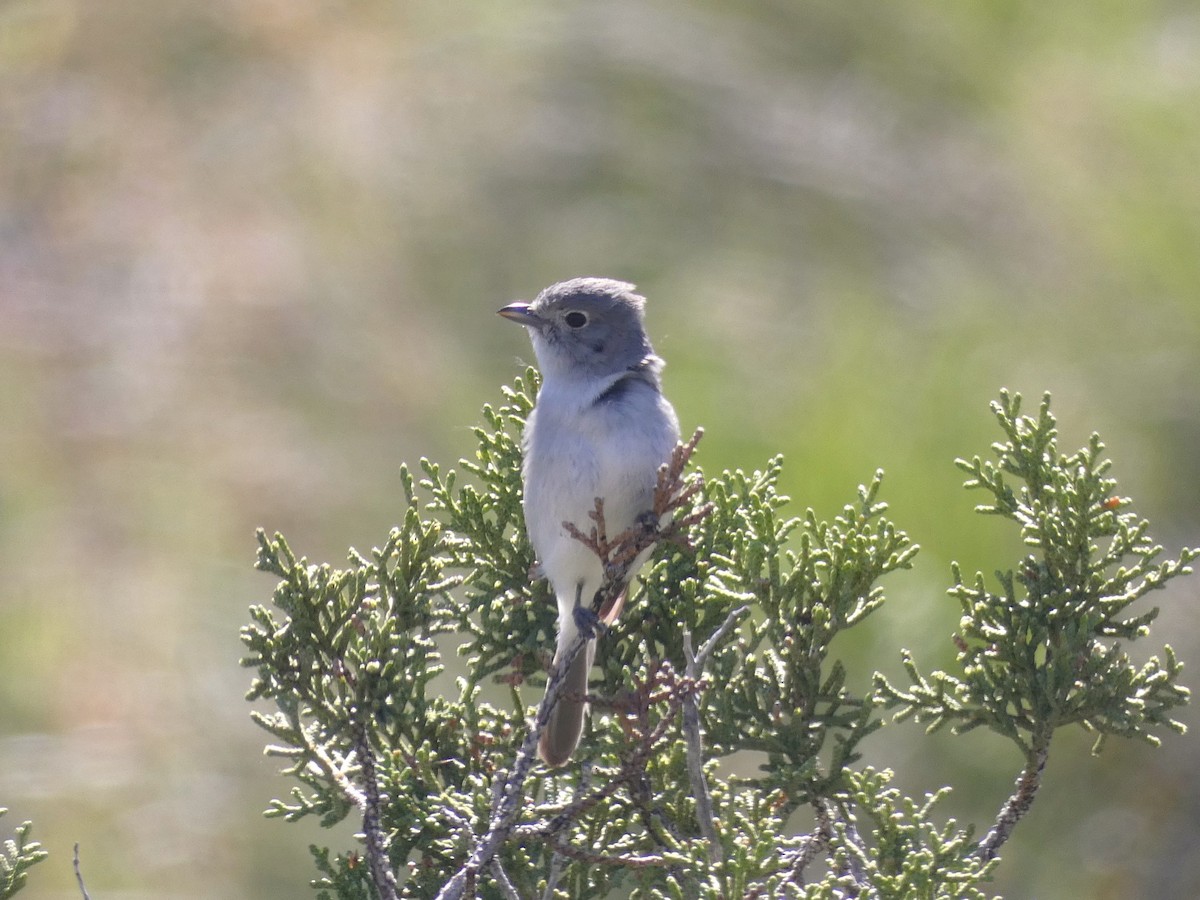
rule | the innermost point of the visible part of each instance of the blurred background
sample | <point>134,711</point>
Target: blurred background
<point>250,255</point>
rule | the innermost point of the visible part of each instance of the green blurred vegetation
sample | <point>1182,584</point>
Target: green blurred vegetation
<point>250,252</point>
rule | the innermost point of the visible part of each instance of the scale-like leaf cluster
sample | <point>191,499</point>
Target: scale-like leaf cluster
<point>808,580</point>
<point>888,847</point>
<point>1043,648</point>
<point>17,855</point>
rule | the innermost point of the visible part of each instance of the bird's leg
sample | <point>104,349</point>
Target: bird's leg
<point>586,619</point>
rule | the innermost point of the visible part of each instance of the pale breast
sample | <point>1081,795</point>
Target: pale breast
<point>609,449</point>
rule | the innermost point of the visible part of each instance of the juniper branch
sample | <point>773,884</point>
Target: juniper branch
<point>507,803</point>
<point>17,854</point>
<point>691,730</point>
<point>814,845</point>
<point>1017,805</point>
<point>79,873</point>
<point>381,872</point>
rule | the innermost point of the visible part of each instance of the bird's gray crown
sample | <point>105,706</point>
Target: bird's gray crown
<point>592,290</point>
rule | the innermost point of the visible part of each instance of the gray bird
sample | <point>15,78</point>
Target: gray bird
<point>601,428</point>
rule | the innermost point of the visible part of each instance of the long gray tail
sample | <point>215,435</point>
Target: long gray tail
<point>565,727</point>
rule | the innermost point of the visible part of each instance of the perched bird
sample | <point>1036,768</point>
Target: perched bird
<point>601,428</point>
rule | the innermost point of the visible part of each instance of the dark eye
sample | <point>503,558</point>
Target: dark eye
<point>575,318</point>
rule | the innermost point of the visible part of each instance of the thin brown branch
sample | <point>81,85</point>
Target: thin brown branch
<point>381,871</point>
<point>558,862</point>
<point>714,640</point>
<point>507,888</point>
<point>1018,804</point>
<point>814,845</point>
<point>694,745</point>
<point>663,685</point>
<point>506,804</point>
<point>853,871</point>
<point>558,867</point>
<point>693,741</point>
<point>79,874</point>
<point>629,861</point>
<point>367,799</point>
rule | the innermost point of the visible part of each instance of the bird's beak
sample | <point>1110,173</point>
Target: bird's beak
<point>522,315</point>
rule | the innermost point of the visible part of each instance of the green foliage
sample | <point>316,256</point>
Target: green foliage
<point>1045,650</point>
<point>904,855</point>
<point>786,699</point>
<point>17,856</point>
<point>358,645</point>
<point>366,725</point>
<point>484,542</point>
<point>342,876</point>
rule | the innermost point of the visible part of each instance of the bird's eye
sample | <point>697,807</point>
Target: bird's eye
<point>575,318</point>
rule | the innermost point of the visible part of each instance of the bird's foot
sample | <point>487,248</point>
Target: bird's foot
<point>587,622</point>
<point>647,521</point>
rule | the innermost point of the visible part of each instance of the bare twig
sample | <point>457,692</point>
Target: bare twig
<point>691,732</point>
<point>507,888</point>
<point>1018,804</point>
<point>507,800</point>
<point>814,845</point>
<point>707,648</point>
<point>366,798</point>
<point>381,871</point>
<point>79,874</point>
<point>695,760</point>
<point>558,865</point>
<point>629,861</point>
<point>558,862</point>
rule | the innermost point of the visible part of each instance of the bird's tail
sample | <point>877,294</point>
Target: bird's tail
<point>565,726</point>
<point>563,731</point>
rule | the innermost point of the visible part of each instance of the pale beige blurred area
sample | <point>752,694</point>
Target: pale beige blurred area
<point>250,254</point>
